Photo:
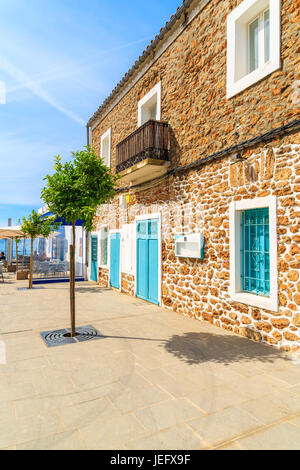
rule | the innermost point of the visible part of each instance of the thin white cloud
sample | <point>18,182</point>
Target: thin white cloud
<point>71,70</point>
<point>24,165</point>
<point>21,77</point>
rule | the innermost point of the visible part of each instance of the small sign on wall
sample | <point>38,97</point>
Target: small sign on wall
<point>124,201</point>
<point>190,246</point>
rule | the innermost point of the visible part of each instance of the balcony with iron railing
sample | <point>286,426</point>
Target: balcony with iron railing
<point>144,154</point>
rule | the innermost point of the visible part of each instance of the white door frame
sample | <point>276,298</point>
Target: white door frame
<point>103,266</point>
<point>156,215</point>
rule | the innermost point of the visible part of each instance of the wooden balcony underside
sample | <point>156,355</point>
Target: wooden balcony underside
<point>144,171</point>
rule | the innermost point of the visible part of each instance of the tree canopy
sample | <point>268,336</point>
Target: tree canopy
<point>36,226</point>
<point>78,187</point>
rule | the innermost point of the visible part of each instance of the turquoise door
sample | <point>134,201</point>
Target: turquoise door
<point>94,258</point>
<point>147,260</point>
<point>115,244</point>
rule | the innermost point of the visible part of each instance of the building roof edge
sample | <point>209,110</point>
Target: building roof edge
<point>149,50</point>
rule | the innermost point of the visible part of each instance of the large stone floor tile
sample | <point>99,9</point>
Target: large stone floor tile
<point>167,414</point>
<point>231,446</point>
<point>220,374</point>
<point>283,436</point>
<point>36,363</point>
<point>219,398</point>
<point>134,380</point>
<point>132,399</point>
<point>88,392</point>
<point>18,431</point>
<point>94,378</point>
<point>147,362</point>
<point>257,386</point>
<point>70,440</point>
<point>295,389</point>
<point>224,425</point>
<point>290,375</point>
<point>202,375</point>
<point>84,414</point>
<point>179,438</point>
<point>295,420</point>
<point>7,412</point>
<point>287,399</point>
<point>111,434</point>
<point>24,376</point>
<point>177,387</point>
<point>40,405</point>
<point>43,385</point>
<point>16,392</point>
<point>265,409</point>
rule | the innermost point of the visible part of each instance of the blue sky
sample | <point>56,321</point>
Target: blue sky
<point>59,59</point>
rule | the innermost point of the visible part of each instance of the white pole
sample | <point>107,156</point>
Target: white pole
<point>9,245</point>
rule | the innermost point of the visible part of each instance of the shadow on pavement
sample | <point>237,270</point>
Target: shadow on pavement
<point>79,290</point>
<point>92,290</point>
<point>196,348</point>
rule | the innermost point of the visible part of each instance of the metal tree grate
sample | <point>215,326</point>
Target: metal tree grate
<point>62,337</point>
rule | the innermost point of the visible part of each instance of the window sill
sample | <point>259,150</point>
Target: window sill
<point>233,88</point>
<point>268,303</point>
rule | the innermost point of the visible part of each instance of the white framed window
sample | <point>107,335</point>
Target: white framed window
<point>253,252</point>
<point>149,107</point>
<point>103,247</point>
<point>253,43</point>
<point>105,147</point>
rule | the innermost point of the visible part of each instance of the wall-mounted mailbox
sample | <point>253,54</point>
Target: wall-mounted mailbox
<point>190,246</point>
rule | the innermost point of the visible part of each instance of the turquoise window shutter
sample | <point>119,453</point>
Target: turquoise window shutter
<point>255,255</point>
<point>94,258</point>
<point>115,245</point>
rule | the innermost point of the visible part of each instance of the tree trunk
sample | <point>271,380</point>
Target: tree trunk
<point>23,254</point>
<point>72,280</point>
<point>31,266</point>
<point>17,266</point>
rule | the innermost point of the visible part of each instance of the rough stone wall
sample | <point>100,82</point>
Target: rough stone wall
<point>200,288</point>
<point>193,76</point>
<point>127,284</point>
<point>202,121</point>
<point>103,278</point>
<point>199,200</point>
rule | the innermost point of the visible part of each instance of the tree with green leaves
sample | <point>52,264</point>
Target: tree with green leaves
<point>37,226</point>
<point>74,192</point>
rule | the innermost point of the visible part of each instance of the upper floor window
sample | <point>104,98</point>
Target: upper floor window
<point>149,107</point>
<point>253,43</point>
<point>259,41</point>
<point>105,147</point>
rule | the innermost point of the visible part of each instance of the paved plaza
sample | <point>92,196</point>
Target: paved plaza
<point>156,380</point>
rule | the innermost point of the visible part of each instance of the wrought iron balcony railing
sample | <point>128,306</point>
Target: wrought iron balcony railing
<point>148,141</point>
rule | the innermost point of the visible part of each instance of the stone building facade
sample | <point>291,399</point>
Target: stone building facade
<point>233,152</point>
